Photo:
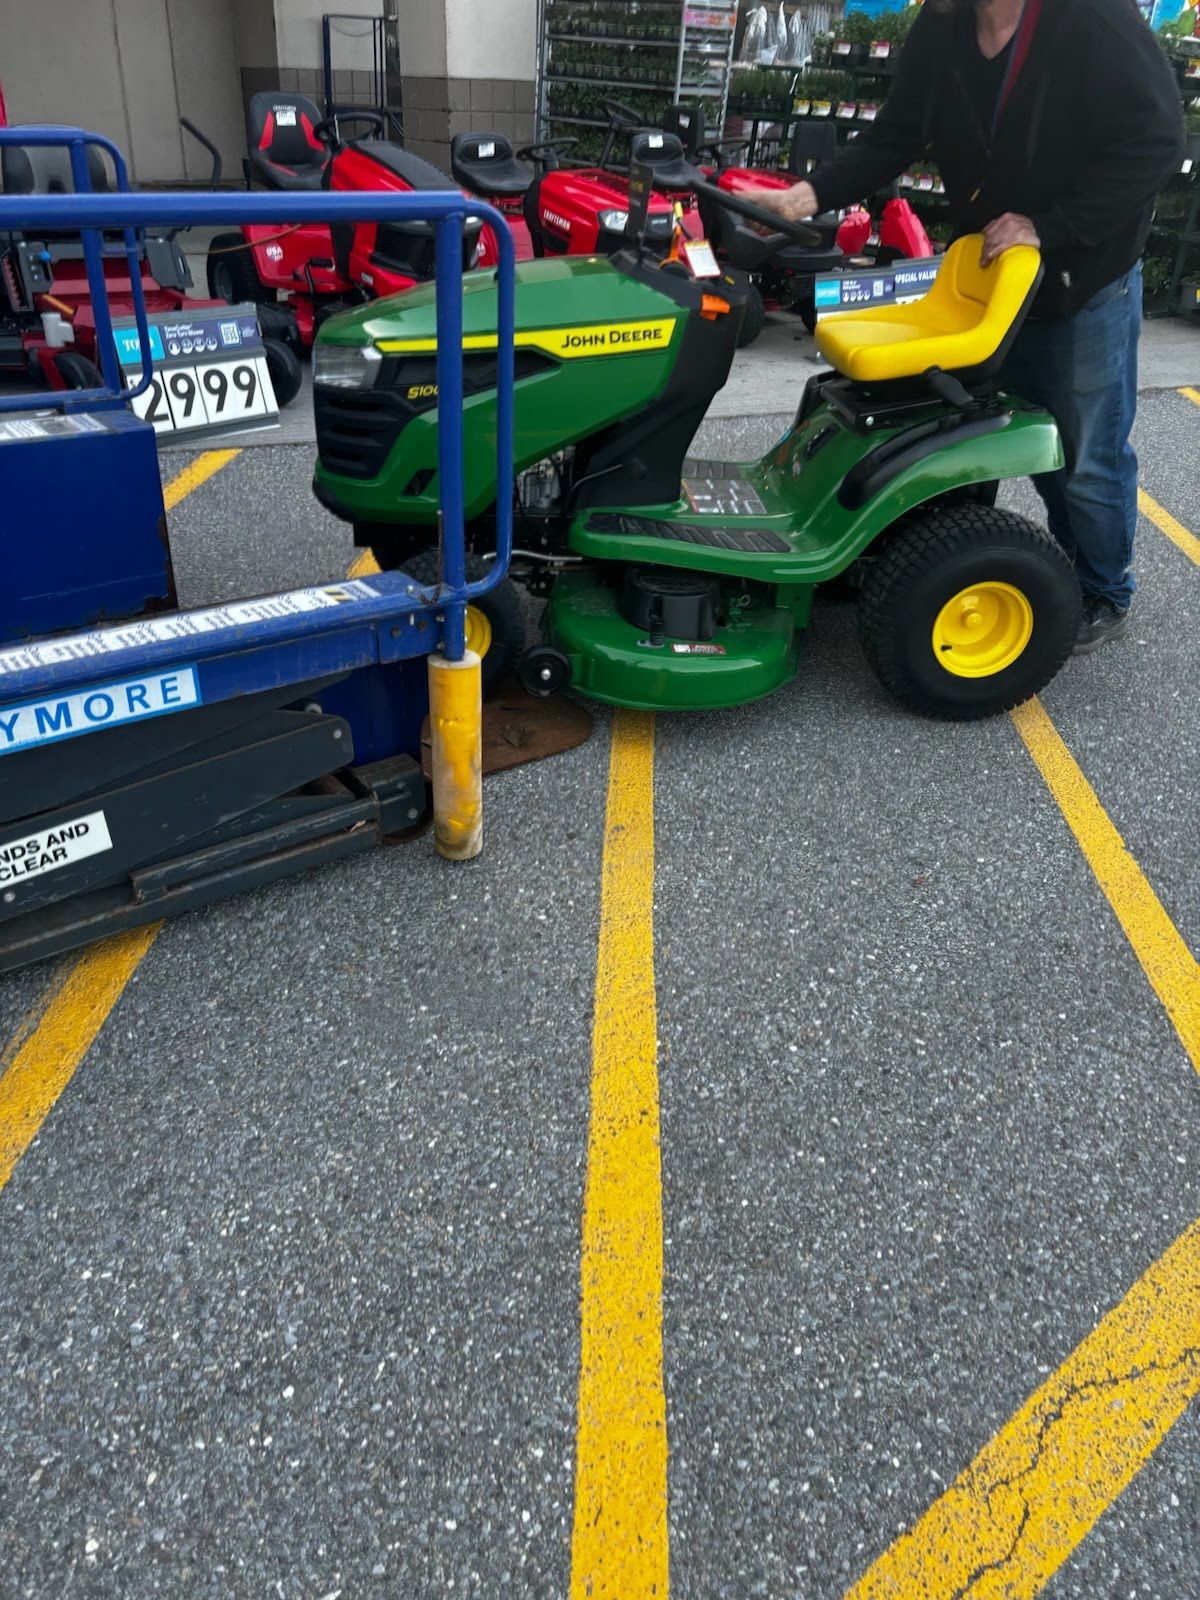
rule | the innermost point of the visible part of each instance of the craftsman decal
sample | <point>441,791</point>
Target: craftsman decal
<point>32,854</point>
<point>102,705</point>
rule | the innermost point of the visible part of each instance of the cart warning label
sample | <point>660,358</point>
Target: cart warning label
<point>32,854</point>
<point>102,705</point>
<point>174,626</point>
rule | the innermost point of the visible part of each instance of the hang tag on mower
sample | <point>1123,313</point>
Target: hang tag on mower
<point>285,116</point>
<point>701,259</point>
<point>654,141</point>
<point>486,150</point>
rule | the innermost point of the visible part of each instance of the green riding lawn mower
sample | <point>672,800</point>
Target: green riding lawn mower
<point>676,583</point>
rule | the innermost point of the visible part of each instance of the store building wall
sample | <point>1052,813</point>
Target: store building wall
<point>129,69</point>
<point>468,66</point>
<point>281,48</point>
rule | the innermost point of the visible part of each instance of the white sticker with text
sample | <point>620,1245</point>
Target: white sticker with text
<point>49,849</point>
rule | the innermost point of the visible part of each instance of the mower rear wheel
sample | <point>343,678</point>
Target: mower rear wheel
<point>967,611</point>
<point>755,318</point>
<point>495,625</point>
<point>76,371</point>
<point>232,275</point>
<point>286,372</point>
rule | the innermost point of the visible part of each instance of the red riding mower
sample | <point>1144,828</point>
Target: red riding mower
<point>299,275</point>
<point>563,211</point>
<point>785,275</point>
<point>47,320</point>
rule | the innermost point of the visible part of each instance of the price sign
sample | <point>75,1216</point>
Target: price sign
<point>844,291</point>
<point>210,371</point>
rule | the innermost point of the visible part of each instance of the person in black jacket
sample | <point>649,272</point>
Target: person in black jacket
<point>1053,123</point>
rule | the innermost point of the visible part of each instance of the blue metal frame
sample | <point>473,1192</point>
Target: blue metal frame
<point>273,644</point>
<point>94,252</point>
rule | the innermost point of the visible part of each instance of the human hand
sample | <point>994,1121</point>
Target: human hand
<point>796,204</point>
<point>1004,232</point>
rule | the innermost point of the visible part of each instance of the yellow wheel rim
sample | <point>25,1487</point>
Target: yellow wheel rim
<point>479,631</point>
<point>982,630</point>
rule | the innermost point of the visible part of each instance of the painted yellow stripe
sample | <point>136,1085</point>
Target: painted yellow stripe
<point>1191,394</point>
<point>619,1545</point>
<point>45,1063</point>
<point>364,565</point>
<point>1170,966</point>
<point>587,339</point>
<point>201,470</point>
<point>1166,523</point>
<point>41,1058</point>
<point>1005,1526</point>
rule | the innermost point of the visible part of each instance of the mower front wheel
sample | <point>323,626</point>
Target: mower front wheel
<point>967,611</point>
<point>495,625</point>
<point>76,371</point>
<point>755,318</point>
<point>232,275</point>
<point>285,370</point>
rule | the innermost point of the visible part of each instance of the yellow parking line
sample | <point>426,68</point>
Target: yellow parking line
<point>201,470</point>
<point>619,1543</point>
<point>1166,523</point>
<point>364,565</point>
<point>1005,1525</point>
<point>1166,960</point>
<point>1191,394</point>
<point>39,1062</point>
<point>45,1063</point>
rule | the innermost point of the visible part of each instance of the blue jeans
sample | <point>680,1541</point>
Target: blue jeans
<point>1083,370</point>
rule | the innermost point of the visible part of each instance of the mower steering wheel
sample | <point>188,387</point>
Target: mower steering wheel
<point>799,232</point>
<point>621,117</point>
<point>327,129</point>
<point>545,150</point>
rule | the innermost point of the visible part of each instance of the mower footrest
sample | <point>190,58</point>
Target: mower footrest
<point>755,541</point>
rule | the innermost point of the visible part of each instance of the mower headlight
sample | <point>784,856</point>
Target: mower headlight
<point>614,221</point>
<point>345,366</point>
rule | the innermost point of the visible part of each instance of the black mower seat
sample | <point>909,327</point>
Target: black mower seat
<point>46,169</point>
<point>285,152</point>
<point>484,163</point>
<point>664,153</point>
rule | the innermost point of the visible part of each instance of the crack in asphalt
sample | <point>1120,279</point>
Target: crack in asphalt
<point>1073,1392</point>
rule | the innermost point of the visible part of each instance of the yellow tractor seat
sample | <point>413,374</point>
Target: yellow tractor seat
<point>964,325</point>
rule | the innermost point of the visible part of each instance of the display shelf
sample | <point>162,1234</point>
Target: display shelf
<point>587,47</point>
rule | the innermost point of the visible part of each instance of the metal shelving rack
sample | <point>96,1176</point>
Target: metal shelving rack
<point>651,53</point>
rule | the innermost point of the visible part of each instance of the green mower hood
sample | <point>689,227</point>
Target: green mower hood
<point>593,345</point>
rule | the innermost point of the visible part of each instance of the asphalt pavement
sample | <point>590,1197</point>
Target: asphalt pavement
<point>289,1283</point>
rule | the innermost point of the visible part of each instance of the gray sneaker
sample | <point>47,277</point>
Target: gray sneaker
<point>1100,622</point>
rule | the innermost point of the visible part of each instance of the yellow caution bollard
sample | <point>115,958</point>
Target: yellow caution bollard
<point>456,755</point>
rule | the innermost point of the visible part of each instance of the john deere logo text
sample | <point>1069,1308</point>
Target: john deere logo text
<point>608,338</point>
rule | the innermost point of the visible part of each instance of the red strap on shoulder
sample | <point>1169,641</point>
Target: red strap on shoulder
<point>1031,13</point>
